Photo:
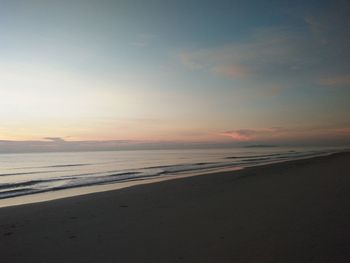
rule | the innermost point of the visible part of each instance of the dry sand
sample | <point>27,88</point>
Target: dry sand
<point>296,212</point>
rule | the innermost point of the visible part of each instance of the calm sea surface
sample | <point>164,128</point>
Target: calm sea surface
<point>34,173</point>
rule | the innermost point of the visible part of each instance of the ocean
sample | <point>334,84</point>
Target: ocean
<point>35,173</point>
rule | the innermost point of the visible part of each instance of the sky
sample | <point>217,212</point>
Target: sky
<point>159,71</point>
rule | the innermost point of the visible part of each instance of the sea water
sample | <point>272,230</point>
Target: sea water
<point>35,173</point>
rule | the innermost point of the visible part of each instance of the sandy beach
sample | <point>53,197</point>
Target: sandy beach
<point>298,211</point>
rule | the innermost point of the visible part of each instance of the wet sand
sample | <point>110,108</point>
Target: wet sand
<point>298,211</point>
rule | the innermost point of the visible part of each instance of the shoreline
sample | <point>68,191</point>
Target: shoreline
<point>49,196</point>
<point>294,211</point>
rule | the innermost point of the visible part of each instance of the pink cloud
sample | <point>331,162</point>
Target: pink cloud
<point>340,80</point>
<point>260,53</point>
<point>231,71</point>
<point>243,135</point>
<point>288,133</point>
<point>237,135</point>
<point>341,131</point>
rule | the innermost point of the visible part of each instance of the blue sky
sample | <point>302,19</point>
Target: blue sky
<point>199,71</point>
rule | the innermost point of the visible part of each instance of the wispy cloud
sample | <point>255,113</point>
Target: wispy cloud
<point>243,135</point>
<point>339,80</point>
<point>54,139</point>
<point>231,71</point>
<point>264,51</point>
<point>239,135</point>
<point>295,133</point>
<point>283,56</point>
